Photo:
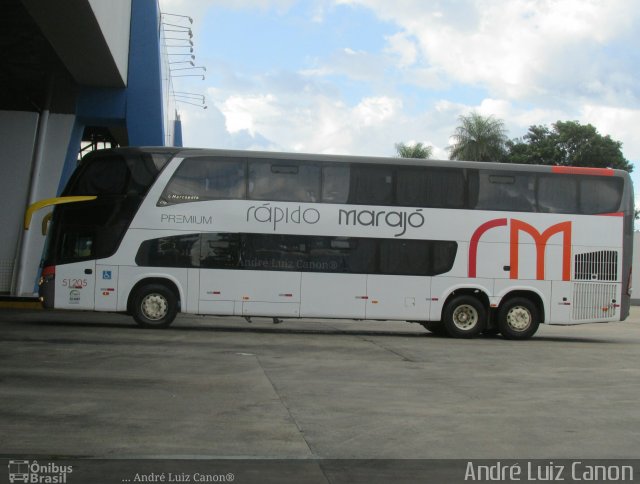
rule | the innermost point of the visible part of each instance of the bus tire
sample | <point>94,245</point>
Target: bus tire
<point>518,319</point>
<point>435,327</point>
<point>464,317</point>
<point>154,306</point>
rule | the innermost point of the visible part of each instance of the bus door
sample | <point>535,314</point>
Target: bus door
<point>106,288</point>
<point>75,285</point>
<point>398,297</point>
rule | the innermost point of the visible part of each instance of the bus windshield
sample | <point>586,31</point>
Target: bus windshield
<point>93,229</point>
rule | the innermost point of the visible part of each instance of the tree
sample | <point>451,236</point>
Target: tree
<point>479,138</point>
<point>567,143</point>
<point>417,150</point>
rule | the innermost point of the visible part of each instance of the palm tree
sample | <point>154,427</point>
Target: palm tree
<point>478,138</point>
<point>417,150</point>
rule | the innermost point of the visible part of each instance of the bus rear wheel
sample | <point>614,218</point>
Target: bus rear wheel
<point>154,306</point>
<point>518,319</point>
<point>464,317</point>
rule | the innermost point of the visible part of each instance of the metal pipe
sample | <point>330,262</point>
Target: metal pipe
<point>36,168</point>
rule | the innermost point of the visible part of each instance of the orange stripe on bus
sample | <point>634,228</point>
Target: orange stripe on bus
<point>582,170</point>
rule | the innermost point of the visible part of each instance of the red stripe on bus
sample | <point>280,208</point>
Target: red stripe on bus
<point>475,239</point>
<point>613,214</point>
<point>582,170</point>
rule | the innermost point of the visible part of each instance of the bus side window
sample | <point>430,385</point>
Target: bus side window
<point>371,185</point>
<point>506,191</point>
<point>205,179</point>
<point>443,256</point>
<point>335,184</point>
<point>362,256</point>
<point>284,181</point>
<point>220,251</point>
<point>226,180</point>
<point>600,195</point>
<point>173,251</point>
<point>405,257</point>
<point>425,187</point>
<point>557,194</point>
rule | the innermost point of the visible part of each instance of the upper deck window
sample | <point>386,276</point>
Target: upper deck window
<point>205,179</point>
<point>600,194</point>
<point>371,185</point>
<point>508,191</point>
<point>284,181</point>
<point>430,187</point>
<point>223,178</point>
<point>557,194</point>
<point>335,183</point>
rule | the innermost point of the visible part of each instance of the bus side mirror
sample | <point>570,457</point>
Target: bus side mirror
<point>45,223</point>
<point>34,207</point>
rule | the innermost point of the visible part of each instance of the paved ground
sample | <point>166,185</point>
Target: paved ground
<point>94,385</point>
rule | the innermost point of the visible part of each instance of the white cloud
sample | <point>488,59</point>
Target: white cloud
<point>357,65</point>
<point>620,123</point>
<point>529,61</point>
<point>402,45</point>
<point>517,49</point>
<point>375,110</point>
<point>246,112</point>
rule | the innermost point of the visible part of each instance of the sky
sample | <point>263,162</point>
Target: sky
<point>357,76</point>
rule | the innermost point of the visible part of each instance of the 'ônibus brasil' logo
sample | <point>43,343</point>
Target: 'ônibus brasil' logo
<point>540,239</point>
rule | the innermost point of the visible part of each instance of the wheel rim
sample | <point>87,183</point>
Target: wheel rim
<point>154,306</point>
<point>465,317</point>
<point>519,318</point>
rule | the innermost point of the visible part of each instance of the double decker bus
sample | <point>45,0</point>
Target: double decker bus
<point>459,247</point>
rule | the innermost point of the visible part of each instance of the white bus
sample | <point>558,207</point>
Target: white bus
<point>460,247</point>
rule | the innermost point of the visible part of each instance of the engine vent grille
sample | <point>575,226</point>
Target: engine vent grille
<point>596,266</point>
<point>593,301</point>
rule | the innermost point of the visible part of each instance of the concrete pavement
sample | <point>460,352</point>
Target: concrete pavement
<point>86,384</point>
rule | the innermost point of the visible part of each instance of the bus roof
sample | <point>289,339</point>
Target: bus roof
<point>331,158</point>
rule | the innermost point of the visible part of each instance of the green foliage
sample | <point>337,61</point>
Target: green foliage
<point>479,138</point>
<point>418,150</point>
<point>567,143</point>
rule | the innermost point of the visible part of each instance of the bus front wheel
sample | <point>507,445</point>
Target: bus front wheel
<point>154,306</point>
<point>464,317</point>
<point>518,319</point>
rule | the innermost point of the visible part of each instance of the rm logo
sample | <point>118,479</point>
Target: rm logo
<point>540,239</point>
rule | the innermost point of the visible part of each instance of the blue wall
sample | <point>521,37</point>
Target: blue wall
<point>139,106</point>
<point>144,87</point>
